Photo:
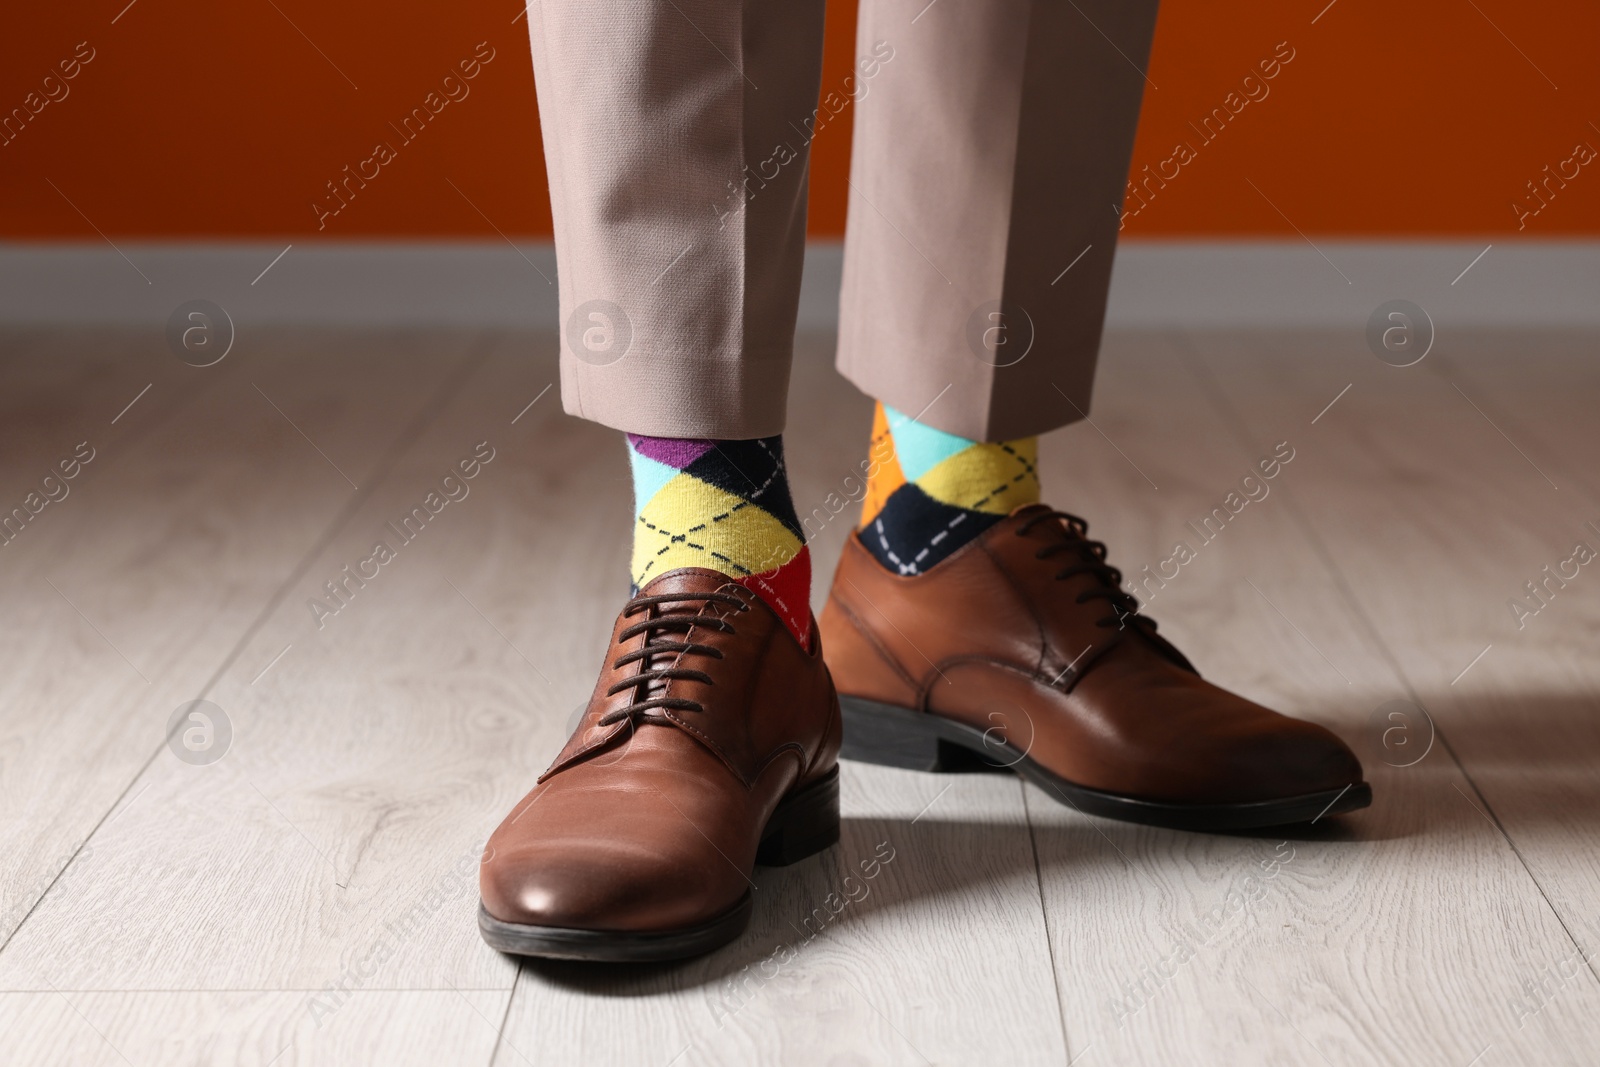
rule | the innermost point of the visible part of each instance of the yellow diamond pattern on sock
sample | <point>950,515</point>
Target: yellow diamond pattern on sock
<point>935,492</point>
<point>690,523</point>
<point>991,477</point>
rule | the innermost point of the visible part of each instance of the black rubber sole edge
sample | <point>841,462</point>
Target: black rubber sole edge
<point>615,946</point>
<point>804,823</point>
<point>915,740</point>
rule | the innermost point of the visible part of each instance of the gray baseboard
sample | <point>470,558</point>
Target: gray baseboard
<point>1195,284</point>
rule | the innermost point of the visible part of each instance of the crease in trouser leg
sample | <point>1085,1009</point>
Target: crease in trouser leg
<point>678,182</point>
<point>992,151</point>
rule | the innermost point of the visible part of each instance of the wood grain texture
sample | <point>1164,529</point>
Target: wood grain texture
<point>126,596</point>
<point>1513,449</point>
<point>262,857</point>
<point>255,1028</point>
<point>1397,935</point>
<point>310,896</point>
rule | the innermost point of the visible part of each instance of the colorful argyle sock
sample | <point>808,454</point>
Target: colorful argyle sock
<point>930,492</point>
<point>724,506</point>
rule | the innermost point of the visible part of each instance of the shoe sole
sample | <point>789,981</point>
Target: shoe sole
<point>804,823</point>
<point>915,740</point>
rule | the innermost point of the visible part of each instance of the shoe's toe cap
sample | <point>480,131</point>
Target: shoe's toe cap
<point>615,885</point>
<point>1285,757</point>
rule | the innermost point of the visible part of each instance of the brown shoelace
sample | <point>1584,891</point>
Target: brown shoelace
<point>650,677</point>
<point>1090,558</point>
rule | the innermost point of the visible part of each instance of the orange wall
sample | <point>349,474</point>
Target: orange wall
<point>196,119</point>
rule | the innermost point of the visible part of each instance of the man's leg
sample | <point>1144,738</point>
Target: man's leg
<point>990,157</point>
<point>987,180</point>
<point>678,181</point>
<point>673,139</point>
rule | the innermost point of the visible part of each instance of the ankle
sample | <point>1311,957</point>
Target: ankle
<point>723,506</point>
<point>930,492</point>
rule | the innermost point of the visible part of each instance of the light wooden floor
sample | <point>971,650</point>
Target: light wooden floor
<point>309,898</point>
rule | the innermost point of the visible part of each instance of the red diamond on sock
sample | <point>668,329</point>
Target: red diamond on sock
<point>787,591</point>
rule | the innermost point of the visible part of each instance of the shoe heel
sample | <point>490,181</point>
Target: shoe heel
<point>805,823</point>
<point>891,736</point>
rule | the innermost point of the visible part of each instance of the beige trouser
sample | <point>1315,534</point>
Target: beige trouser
<point>992,141</point>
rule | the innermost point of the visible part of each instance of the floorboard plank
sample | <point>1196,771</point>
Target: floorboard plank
<point>248,1029</point>
<point>1325,954</point>
<point>125,597</point>
<point>1515,695</point>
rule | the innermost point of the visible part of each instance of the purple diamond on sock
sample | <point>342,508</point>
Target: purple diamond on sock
<point>672,451</point>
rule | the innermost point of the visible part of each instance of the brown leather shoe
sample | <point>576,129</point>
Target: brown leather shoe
<point>1023,649</point>
<point>710,745</point>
